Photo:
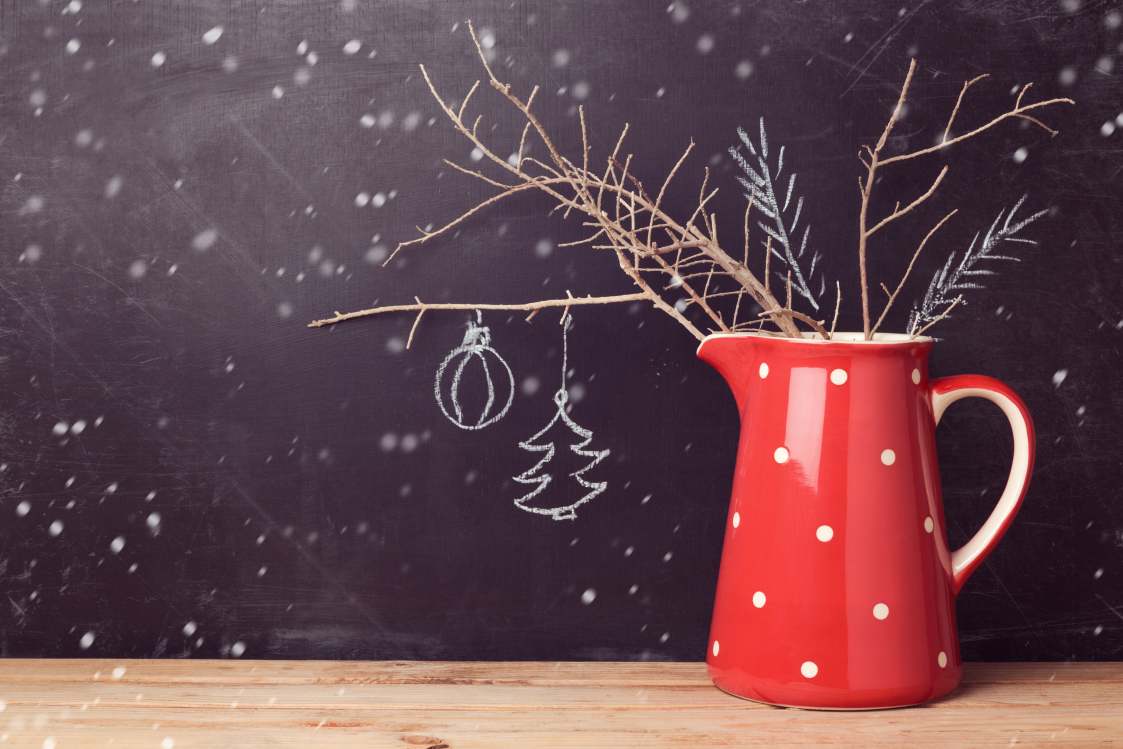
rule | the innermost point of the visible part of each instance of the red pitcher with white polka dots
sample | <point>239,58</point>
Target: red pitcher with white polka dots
<point>837,587</point>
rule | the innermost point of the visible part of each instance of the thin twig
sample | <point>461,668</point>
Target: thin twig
<point>898,212</point>
<point>908,270</point>
<point>959,100</point>
<point>416,322</point>
<point>1018,112</point>
<point>420,306</point>
<point>811,322</point>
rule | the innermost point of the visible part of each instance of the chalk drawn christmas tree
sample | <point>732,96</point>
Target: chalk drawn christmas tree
<point>557,501</point>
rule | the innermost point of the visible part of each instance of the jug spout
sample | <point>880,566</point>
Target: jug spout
<point>734,356</point>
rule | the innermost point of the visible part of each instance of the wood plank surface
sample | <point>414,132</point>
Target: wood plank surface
<point>176,704</point>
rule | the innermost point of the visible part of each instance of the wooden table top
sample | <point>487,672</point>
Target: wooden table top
<point>178,704</point>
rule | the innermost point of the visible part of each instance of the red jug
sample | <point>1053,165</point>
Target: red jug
<point>837,588</point>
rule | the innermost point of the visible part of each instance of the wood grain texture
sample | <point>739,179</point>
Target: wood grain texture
<point>463,705</point>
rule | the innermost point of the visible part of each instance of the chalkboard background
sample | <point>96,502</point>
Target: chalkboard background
<point>187,470</point>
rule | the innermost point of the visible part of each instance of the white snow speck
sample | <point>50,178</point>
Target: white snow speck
<point>705,44</point>
<point>34,204</point>
<point>543,248</point>
<point>55,528</point>
<point>238,649</point>
<point>588,596</point>
<point>1020,155</point>
<point>113,186</point>
<point>153,520</point>
<point>23,508</point>
<point>679,11</point>
<point>1059,377</point>
<point>367,120</point>
<point>60,428</point>
<point>158,60</point>
<point>561,58</point>
<point>190,628</point>
<point>73,46</point>
<point>204,240</point>
<point>87,640</point>
<point>530,385</point>
<point>388,442</point>
<point>138,269</point>
<point>278,92</point>
<point>376,254</point>
<point>118,673</point>
<point>284,310</point>
<point>78,427</point>
<point>1107,129</point>
<point>49,743</point>
<point>476,154</point>
<point>212,35</point>
<point>352,47</point>
<point>743,70</point>
<point>117,544</point>
<point>167,743</point>
<point>580,90</point>
<point>1067,76</point>
<point>378,199</point>
<point>362,199</point>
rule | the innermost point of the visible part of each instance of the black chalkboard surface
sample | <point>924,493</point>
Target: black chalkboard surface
<point>187,470</point>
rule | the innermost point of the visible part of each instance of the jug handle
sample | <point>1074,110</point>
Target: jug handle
<point>948,390</point>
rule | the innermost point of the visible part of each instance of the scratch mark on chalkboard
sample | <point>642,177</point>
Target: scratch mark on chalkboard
<point>1111,608</point>
<point>280,169</point>
<point>54,339</point>
<point>1002,585</point>
<point>277,165</point>
<point>311,560</point>
<point>129,298</point>
<point>884,41</point>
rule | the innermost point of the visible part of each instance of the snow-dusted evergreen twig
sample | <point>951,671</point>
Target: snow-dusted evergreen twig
<point>953,278</point>
<point>760,183</point>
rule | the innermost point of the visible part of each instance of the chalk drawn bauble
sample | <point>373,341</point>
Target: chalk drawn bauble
<point>475,351</point>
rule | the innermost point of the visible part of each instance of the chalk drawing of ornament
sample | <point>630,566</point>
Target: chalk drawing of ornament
<point>548,498</point>
<point>474,352</point>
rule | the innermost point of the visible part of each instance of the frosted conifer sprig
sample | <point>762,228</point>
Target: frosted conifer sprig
<point>760,183</point>
<point>953,279</point>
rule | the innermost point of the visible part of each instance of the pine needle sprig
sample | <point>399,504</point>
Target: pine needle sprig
<point>760,183</point>
<point>953,279</point>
